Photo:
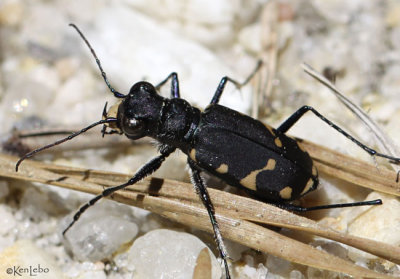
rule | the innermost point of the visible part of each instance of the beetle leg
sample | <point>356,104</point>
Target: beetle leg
<point>201,190</point>
<point>297,208</point>
<point>285,126</point>
<point>174,85</point>
<point>224,80</point>
<point>144,171</point>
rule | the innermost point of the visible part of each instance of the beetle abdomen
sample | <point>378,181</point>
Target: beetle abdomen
<point>251,155</point>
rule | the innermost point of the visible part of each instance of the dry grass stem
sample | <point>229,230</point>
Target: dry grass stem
<point>239,217</point>
<point>384,141</point>
<point>352,170</point>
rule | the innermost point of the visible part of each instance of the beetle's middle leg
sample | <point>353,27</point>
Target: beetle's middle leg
<point>224,80</point>
<point>201,190</point>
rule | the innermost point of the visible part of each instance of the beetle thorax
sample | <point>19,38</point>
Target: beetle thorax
<point>178,122</point>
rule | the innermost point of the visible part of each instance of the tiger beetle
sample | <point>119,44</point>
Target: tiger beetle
<point>236,148</point>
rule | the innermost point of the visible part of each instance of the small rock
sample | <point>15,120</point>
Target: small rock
<point>37,205</point>
<point>66,67</point>
<point>92,271</point>
<point>170,52</point>
<point>7,220</point>
<point>380,223</point>
<point>249,272</point>
<point>295,274</point>
<point>168,254</point>
<point>250,38</point>
<point>100,231</point>
<point>278,266</point>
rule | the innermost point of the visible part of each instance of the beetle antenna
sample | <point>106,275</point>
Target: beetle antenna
<point>71,136</point>
<point>115,92</point>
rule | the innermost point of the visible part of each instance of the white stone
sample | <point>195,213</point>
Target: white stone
<point>235,249</point>
<point>391,81</point>
<point>100,231</point>
<point>333,9</point>
<point>391,128</point>
<point>67,67</point>
<point>295,274</point>
<point>250,38</point>
<point>80,11</point>
<point>79,99</point>
<point>380,223</point>
<point>6,241</point>
<point>133,59</point>
<point>36,27</point>
<point>25,97</point>
<point>37,204</point>
<point>279,266</point>
<point>47,76</point>
<point>249,272</point>
<point>211,23</point>
<point>7,220</point>
<point>168,254</point>
<point>87,270</point>
<point>91,270</point>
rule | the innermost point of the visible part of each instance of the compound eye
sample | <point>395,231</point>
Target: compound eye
<point>133,128</point>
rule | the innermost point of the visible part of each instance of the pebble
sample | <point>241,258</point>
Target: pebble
<point>168,254</point>
<point>7,220</point>
<point>380,223</point>
<point>278,266</point>
<point>101,231</point>
<point>175,54</point>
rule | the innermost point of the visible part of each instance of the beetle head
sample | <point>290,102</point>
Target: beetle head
<point>138,112</point>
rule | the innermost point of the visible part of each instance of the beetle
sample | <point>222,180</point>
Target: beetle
<point>234,147</point>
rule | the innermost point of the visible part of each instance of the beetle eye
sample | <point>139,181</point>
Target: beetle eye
<point>134,124</point>
<point>132,127</point>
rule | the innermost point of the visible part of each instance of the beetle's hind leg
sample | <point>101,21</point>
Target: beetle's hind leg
<point>224,80</point>
<point>285,126</point>
<point>174,84</point>
<point>297,208</point>
<point>201,190</point>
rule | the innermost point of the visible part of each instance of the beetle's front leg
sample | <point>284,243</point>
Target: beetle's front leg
<point>174,85</point>
<point>144,171</point>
